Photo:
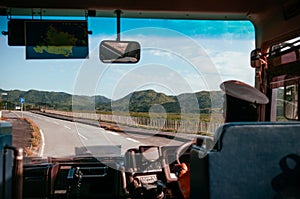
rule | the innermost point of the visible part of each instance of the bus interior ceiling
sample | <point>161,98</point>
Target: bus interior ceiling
<point>262,13</point>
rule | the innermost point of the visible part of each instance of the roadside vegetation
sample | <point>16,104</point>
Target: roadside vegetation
<point>25,134</point>
<point>36,139</point>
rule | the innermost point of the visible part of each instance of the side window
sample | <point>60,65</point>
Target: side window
<point>285,103</point>
<point>284,75</point>
<point>291,100</point>
<point>285,52</point>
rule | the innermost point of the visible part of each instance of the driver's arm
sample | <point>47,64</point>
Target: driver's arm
<point>183,174</point>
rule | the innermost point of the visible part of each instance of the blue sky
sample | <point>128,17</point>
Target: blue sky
<point>177,56</point>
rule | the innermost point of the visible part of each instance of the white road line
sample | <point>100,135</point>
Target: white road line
<point>17,115</point>
<point>113,133</point>
<point>67,127</point>
<point>133,140</point>
<point>82,136</point>
<point>43,143</point>
<point>56,123</point>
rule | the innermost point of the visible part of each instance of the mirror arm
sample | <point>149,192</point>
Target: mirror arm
<point>118,12</point>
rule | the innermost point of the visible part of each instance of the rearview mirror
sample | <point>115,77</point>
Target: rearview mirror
<point>119,51</point>
<point>255,58</point>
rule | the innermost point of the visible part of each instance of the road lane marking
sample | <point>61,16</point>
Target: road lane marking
<point>43,143</point>
<point>82,136</point>
<point>113,133</point>
<point>56,123</point>
<point>133,140</point>
<point>67,127</point>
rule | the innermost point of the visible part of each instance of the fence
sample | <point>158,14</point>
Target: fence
<point>182,126</point>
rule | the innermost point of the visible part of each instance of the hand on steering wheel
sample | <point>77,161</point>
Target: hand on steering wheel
<point>183,171</point>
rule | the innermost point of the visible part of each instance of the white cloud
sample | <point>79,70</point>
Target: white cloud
<point>232,59</point>
<point>174,64</point>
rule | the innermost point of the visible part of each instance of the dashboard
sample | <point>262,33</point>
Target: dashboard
<point>72,180</point>
<point>144,171</point>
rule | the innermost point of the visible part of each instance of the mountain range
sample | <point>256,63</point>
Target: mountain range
<point>139,101</point>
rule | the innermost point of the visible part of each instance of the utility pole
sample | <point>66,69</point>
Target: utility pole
<point>5,94</point>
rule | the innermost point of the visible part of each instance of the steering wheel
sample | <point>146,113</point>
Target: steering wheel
<point>181,149</point>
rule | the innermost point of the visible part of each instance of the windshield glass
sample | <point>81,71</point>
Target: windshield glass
<point>103,109</point>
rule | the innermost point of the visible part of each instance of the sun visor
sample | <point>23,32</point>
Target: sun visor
<point>50,39</point>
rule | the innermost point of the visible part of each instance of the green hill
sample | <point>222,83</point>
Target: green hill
<point>139,101</point>
<point>55,100</point>
<point>142,101</point>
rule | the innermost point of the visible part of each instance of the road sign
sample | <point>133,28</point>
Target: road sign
<point>22,100</point>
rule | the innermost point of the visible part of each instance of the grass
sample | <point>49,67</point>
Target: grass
<point>35,140</point>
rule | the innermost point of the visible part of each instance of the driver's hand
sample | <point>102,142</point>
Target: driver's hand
<point>183,173</point>
<point>180,169</point>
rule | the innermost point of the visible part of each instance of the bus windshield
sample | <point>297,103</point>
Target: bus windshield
<point>173,88</point>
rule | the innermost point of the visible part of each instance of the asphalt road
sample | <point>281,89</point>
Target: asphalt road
<point>65,138</point>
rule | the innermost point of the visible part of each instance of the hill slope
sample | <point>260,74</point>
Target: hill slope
<point>139,101</point>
